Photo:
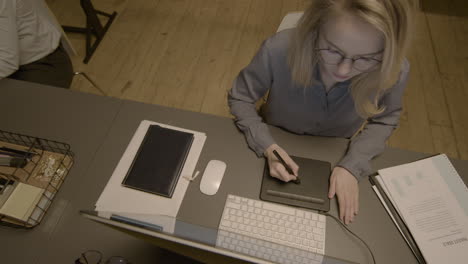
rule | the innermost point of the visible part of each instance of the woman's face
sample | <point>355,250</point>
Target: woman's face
<point>348,36</point>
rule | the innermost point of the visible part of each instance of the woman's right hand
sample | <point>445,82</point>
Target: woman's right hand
<point>277,170</point>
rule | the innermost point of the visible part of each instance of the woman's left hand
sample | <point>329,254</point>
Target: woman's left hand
<point>345,186</point>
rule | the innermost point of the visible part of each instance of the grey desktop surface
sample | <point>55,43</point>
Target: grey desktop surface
<point>243,177</point>
<point>83,121</point>
<point>107,126</point>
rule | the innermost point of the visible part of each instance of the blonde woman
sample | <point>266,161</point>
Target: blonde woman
<point>343,64</point>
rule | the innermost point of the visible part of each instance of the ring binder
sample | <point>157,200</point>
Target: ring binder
<point>427,201</point>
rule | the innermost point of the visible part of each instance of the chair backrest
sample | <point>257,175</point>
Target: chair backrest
<point>43,8</point>
<point>290,20</point>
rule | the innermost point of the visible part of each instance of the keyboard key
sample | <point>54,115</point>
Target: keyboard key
<point>317,231</point>
<point>314,217</point>
<point>233,205</point>
<point>300,214</point>
<point>226,223</point>
<point>322,218</point>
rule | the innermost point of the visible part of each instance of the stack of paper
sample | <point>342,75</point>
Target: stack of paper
<point>432,201</point>
<point>21,202</point>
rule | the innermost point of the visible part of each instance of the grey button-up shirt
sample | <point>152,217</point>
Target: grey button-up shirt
<point>310,110</point>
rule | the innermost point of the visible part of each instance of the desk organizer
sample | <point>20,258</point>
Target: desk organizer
<point>48,164</point>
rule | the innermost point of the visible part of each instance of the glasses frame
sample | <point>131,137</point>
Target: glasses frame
<point>343,58</point>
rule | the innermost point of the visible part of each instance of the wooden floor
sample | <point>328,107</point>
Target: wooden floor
<point>186,53</point>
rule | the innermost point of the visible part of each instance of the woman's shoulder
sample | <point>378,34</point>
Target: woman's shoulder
<point>279,42</point>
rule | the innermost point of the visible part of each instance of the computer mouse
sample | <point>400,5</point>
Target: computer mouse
<point>212,177</point>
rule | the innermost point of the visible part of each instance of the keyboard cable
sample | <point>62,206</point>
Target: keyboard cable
<point>339,222</point>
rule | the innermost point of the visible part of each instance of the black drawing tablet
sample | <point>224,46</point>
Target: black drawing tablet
<point>311,193</point>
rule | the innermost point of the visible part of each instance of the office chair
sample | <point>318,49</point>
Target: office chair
<point>290,20</point>
<point>43,7</point>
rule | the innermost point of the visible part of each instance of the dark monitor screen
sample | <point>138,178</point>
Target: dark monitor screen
<point>214,240</point>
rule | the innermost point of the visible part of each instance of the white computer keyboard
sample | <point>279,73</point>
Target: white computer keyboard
<point>283,225</point>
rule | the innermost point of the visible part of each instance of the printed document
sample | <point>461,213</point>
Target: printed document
<point>431,199</point>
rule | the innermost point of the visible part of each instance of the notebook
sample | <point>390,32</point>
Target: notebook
<point>311,193</point>
<point>159,161</point>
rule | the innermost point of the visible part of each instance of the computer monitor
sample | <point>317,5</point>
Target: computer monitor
<point>209,239</point>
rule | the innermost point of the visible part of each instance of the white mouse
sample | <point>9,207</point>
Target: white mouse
<point>212,177</point>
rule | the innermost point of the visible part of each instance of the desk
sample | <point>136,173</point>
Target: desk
<point>99,129</point>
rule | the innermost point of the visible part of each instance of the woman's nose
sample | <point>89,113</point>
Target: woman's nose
<point>345,67</point>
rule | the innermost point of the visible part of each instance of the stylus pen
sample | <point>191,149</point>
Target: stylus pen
<point>288,169</point>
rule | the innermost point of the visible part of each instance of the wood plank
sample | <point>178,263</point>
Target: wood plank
<point>423,55</point>
<point>412,132</point>
<point>158,38</point>
<point>215,57</point>
<point>444,141</point>
<point>450,47</point>
<point>291,6</point>
<point>178,63</point>
<point>135,35</point>
<point>416,134</point>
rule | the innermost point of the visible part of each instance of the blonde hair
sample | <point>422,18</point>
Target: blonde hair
<point>393,18</point>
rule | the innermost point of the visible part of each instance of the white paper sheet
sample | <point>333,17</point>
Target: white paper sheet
<point>428,205</point>
<point>117,198</point>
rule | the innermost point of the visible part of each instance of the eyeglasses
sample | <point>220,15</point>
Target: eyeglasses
<point>95,257</point>
<point>362,64</point>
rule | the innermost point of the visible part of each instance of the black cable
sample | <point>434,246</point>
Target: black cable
<point>339,222</point>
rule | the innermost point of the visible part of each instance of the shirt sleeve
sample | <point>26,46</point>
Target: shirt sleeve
<point>251,84</point>
<point>371,141</point>
<point>9,59</point>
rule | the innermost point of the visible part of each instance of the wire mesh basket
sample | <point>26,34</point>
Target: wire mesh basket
<point>39,177</point>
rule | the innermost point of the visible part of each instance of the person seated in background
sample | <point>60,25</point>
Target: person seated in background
<point>30,48</point>
<point>342,66</point>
